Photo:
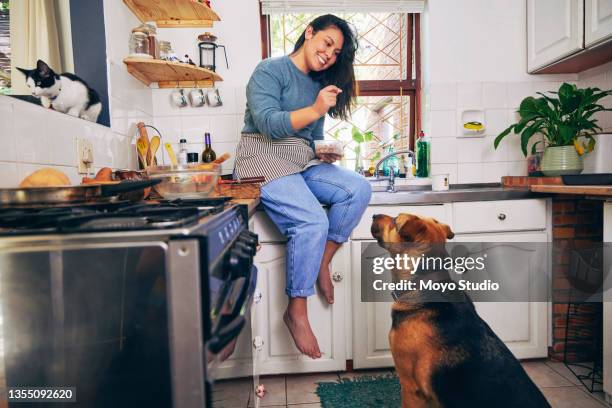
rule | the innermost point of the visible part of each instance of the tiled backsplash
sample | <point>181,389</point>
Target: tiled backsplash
<point>34,137</point>
<point>469,160</point>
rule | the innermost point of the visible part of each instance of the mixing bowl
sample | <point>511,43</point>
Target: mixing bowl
<point>185,181</point>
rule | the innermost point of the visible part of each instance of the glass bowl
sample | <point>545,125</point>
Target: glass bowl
<point>328,146</point>
<point>196,180</point>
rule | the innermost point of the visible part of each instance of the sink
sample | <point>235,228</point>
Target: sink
<point>401,184</point>
<point>423,194</point>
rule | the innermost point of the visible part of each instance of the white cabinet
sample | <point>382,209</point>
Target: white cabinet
<point>522,326</point>
<point>278,353</point>
<point>597,21</point>
<point>372,320</point>
<point>554,30</point>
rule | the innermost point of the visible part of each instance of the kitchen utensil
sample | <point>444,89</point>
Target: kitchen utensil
<point>155,141</point>
<point>190,181</point>
<point>601,179</point>
<point>197,98</point>
<point>142,148</point>
<point>171,154</point>
<point>178,98</point>
<point>246,180</point>
<point>244,188</point>
<point>222,158</point>
<point>213,98</point>
<point>70,194</point>
<point>208,51</point>
<point>439,182</point>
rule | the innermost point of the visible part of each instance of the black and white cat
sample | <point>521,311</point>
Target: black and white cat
<point>66,92</point>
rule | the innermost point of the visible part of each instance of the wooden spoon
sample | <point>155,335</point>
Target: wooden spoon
<point>222,158</point>
<point>171,154</point>
<point>155,141</point>
<point>142,147</point>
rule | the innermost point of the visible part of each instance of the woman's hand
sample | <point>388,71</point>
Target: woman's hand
<point>326,99</point>
<point>329,157</point>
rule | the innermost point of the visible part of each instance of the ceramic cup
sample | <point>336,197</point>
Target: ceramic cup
<point>439,182</point>
<point>213,98</point>
<point>179,99</point>
<point>197,98</point>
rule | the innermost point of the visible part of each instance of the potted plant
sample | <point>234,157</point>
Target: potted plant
<point>566,121</point>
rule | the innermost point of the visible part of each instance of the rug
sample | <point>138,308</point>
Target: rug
<point>379,391</point>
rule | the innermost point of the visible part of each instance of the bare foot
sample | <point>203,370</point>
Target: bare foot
<point>325,284</point>
<point>299,327</point>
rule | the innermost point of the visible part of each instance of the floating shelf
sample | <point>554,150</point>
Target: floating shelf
<point>170,74</point>
<point>173,13</point>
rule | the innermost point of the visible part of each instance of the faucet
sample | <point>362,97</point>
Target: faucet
<point>391,184</point>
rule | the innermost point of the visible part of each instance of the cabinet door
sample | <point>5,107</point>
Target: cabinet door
<point>597,21</point>
<point>607,317</point>
<point>278,353</point>
<point>371,321</point>
<point>522,326</point>
<point>554,31</point>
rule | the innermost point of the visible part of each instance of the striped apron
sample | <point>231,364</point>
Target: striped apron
<point>258,155</point>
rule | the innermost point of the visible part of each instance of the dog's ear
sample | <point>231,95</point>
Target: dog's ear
<point>409,226</point>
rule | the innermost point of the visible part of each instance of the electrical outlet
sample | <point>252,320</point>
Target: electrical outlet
<point>85,155</point>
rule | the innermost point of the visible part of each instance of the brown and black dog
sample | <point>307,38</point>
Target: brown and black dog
<point>445,355</point>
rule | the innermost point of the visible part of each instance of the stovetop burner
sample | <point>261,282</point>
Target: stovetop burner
<point>117,216</point>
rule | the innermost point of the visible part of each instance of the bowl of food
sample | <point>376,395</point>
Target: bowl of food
<point>185,181</point>
<point>328,147</point>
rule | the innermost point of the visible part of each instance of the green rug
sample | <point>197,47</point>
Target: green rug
<point>380,391</point>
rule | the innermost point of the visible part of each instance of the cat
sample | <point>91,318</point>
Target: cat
<point>66,93</point>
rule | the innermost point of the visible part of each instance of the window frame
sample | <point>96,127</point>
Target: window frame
<point>406,87</point>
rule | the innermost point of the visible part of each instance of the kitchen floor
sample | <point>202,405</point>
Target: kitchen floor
<point>558,384</point>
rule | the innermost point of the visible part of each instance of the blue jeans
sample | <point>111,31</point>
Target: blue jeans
<point>294,203</point>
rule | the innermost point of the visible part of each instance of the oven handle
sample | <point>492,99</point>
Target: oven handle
<point>226,334</point>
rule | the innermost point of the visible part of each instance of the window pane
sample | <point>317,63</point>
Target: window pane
<point>383,40</point>
<point>388,117</point>
<point>5,50</point>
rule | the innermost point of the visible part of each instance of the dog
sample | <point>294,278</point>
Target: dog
<point>445,354</point>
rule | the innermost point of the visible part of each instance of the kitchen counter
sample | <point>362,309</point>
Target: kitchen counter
<point>457,193</point>
<point>252,203</point>
<point>603,191</point>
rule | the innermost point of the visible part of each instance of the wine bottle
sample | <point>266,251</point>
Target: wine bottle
<point>208,155</point>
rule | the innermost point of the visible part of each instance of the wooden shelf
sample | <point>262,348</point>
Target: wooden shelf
<point>173,13</point>
<point>170,74</point>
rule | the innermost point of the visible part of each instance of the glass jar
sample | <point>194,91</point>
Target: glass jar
<point>153,43</point>
<point>139,45</point>
<point>165,50</point>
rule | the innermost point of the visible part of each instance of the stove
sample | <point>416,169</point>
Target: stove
<point>132,304</point>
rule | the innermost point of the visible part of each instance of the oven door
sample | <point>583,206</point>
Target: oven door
<point>230,371</point>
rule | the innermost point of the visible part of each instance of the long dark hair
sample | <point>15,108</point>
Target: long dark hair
<point>341,74</point>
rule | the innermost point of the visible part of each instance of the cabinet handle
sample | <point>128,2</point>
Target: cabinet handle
<point>257,297</point>
<point>337,277</point>
<point>258,343</point>
<point>501,216</point>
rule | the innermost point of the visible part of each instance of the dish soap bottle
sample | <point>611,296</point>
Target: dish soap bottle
<point>208,155</point>
<point>423,152</point>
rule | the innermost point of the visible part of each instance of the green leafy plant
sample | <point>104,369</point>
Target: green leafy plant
<point>359,138</point>
<point>562,118</point>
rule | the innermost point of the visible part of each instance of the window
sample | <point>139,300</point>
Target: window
<point>5,48</point>
<point>387,72</point>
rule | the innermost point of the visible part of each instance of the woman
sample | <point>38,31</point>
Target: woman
<point>287,99</point>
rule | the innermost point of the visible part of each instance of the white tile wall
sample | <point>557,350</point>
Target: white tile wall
<point>34,137</point>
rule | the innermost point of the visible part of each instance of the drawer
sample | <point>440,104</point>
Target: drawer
<point>265,228</point>
<point>492,216</point>
<point>362,231</point>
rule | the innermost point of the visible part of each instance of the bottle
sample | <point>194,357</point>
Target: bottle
<point>423,151</point>
<point>192,157</point>
<point>390,162</point>
<point>182,156</point>
<point>208,155</point>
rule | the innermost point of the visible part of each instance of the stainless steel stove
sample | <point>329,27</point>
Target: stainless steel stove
<point>132,304</point>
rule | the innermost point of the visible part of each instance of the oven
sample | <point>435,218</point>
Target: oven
<point>130,305</point>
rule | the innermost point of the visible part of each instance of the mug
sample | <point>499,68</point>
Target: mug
<point>213,98</point>
<point>178,98</point>
<point>439,182</point>
<point>196,97</point>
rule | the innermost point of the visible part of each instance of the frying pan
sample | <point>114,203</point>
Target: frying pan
<point>70,194</point>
